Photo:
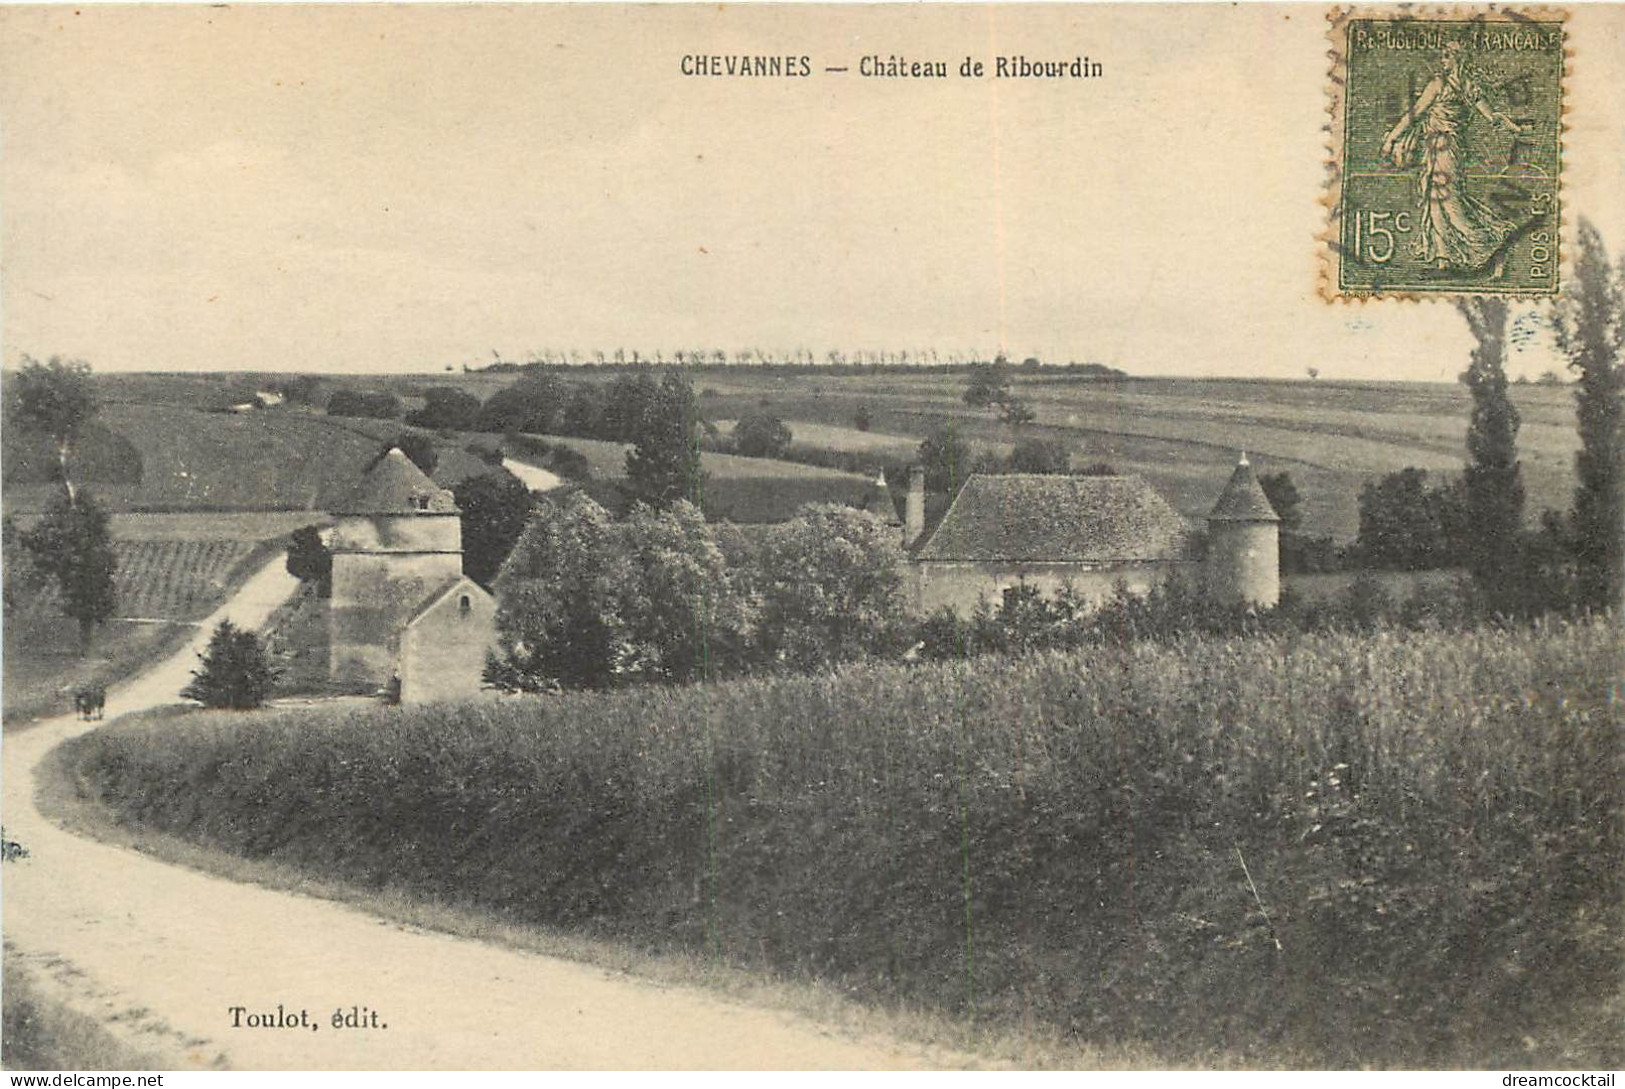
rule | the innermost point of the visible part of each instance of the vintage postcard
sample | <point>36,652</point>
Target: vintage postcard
<point>812,537</point>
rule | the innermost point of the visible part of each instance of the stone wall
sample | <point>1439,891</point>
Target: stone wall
<point>374,595</point>
<point>443,652</point>
<point>960,586</point>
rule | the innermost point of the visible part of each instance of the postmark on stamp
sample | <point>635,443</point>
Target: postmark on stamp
<point>1446,153</point>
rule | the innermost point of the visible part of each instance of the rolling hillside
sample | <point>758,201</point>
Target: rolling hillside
<point>1184,434</point>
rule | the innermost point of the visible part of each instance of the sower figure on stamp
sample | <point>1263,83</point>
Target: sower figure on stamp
<point>1458,230</point>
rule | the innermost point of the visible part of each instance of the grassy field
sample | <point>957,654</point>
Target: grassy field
<point>1390,849</point>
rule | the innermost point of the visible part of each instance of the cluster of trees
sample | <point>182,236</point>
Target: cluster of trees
<point>447,409</point>
<point>759,435</point>
<point>1408,524</point>
<point>542,402</point>
<point>664,596</point>
<point>1575,559</point>
<point>989,388</point>
<point>834,361</point>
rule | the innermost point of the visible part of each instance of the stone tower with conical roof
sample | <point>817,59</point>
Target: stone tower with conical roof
<point>397,542</point>
<point>1244,544</point>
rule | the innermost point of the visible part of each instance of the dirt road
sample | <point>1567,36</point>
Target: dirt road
<point>536,479</point>
<point>163,954</point>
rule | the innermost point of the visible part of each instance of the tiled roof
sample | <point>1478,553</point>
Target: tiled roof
<point>439,593</point>
<point>394,485</point>
<point>879,502</point>
<point>1243,499</point>
<point>1072,519</point>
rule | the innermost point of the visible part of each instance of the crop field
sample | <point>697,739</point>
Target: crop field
<point>1393,849</point>
<point>163,579</point>
<point>281,460</point>
<point>242,526</point>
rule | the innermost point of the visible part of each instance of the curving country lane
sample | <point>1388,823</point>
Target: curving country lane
<point>161,953</point>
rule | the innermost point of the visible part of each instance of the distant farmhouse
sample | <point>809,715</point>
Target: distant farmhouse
<point>402,611</point>
<point>1092,533</point>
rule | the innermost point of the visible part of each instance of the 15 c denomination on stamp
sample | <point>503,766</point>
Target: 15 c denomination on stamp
<point>1446,153</point>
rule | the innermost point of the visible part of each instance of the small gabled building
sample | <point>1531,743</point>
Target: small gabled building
<point>402,612</point>
<point>1092,533</point>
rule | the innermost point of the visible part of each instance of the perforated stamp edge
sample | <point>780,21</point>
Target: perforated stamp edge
<point>1328,242</point>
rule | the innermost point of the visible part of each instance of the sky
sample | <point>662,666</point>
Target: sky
<point>397,189</point>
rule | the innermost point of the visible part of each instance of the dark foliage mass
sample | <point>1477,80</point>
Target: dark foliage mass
<point>1408,525</point>
<point>72,544</point>
<point>447,409</point>
<point>663,465</point>
<point>310,560</point>
<point>662,595</point>
<point>1493,480</point>
<point>380,405</point>
<point>760,435</point>
<point>56,398</point>
<point>1040,456</point>
<point>495,507</point>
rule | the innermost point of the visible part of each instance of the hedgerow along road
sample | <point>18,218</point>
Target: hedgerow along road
<point>179,963</point>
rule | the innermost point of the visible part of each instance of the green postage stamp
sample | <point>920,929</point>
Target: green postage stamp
<point>1446,153</point>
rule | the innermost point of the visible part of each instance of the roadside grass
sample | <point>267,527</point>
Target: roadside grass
<point>42,663</point>
<point>38,1033</point>
<point>1392,849</point>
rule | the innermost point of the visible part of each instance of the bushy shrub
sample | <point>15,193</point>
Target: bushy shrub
<point>1040,456</point>
<point>447,408</point>
<point>759,435</point>
<point>310,560</point>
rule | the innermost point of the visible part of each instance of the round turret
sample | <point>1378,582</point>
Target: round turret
<point>1244,544</point>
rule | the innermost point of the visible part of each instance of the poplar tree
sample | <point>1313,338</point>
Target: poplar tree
<point>1493,478</point>
<point>1589,320</point>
